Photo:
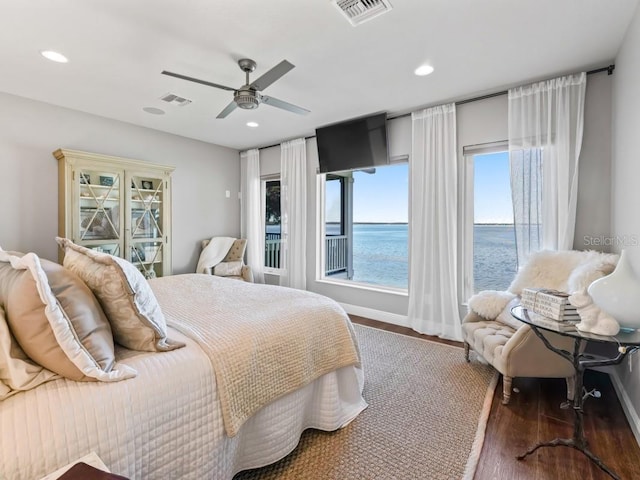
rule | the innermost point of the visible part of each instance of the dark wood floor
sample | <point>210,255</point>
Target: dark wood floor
<point>534,415</point>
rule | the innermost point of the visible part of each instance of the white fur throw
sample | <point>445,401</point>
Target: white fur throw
<point>489,303</point>
<point>546,269</point>
<point>594,266</point>
<point>565,271</point>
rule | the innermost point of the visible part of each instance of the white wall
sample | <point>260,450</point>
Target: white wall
<point>477,122</point>
<point>270,161</point>
<point>593,218</point>
<point>30,131</point>
<point>625,184</point>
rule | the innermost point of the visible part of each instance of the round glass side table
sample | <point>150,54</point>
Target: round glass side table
<point>627,343</point>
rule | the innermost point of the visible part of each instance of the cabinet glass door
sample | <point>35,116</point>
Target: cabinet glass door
<point>100,202</point>
<point>147,229</point>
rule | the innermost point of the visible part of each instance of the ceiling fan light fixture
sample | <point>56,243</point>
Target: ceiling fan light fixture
<point>423,70</point>
<point>246,99</point>
<point>54,56</point>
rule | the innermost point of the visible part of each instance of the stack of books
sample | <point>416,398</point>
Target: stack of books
<point>551,324</point>
<point>550,308</point>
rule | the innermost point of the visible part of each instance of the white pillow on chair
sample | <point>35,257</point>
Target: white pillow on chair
<point>489,303</point>
<point>228,269</point>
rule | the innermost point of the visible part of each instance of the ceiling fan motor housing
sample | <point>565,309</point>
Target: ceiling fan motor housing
<point>246,98</point>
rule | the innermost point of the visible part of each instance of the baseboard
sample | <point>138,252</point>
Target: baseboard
<point>388,317</point>
<point>627,405</point>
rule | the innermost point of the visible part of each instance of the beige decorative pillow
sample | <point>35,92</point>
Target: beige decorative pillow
<point>17,371</point>
<point>236,252</point>
<point>57,321</point>
<point>131,307</point>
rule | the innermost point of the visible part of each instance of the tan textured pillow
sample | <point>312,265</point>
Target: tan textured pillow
<point>57,320</point>
<point>131,307</point>
<point>17,371</point>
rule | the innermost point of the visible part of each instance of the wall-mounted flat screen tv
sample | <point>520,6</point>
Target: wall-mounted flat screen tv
<point>354,144</point>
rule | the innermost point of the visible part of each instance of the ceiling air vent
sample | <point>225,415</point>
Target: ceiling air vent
<point>359,11</point>
<point>175,100</point>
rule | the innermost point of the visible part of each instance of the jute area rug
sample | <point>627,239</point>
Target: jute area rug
<point>426,418</point>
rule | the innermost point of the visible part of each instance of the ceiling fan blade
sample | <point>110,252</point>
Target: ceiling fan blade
<point>272,75</point>
<point>203,82</point>
<point>274,102</point>
<point>227,110</point>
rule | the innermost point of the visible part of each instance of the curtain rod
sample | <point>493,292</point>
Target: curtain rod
<point>609,69</point>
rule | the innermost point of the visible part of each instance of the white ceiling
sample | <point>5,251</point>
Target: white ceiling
<point>117,49</point>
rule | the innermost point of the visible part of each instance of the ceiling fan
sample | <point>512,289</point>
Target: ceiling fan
<point>248,96</point>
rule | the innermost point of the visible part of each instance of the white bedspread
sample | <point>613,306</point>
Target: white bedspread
<point>164,424</point>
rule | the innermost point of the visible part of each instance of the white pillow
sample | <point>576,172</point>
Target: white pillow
<point>131,307</point>
<point>228,269</point>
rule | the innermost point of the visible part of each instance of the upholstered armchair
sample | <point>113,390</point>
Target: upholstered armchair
<point>232,265</point>
<point>511,346</point>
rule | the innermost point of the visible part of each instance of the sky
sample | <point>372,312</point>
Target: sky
<point>383,197</point>
<point>492,189</point>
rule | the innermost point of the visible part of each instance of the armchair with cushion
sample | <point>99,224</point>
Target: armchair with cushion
<point>511,346</point>
<point>232,265</point>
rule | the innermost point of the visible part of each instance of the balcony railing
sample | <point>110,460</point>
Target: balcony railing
<point>335,252</point>
<point>272,250</point>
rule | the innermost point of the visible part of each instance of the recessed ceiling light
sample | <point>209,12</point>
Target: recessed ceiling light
<point>153,110</point>
<point>252,124</point>
<point>54,56</point>
<point>423,70</point>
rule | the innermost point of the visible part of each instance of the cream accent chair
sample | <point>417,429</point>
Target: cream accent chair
<point>511,346</point>
<point>235,254</point>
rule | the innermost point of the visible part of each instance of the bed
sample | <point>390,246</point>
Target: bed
<point>172,419</point>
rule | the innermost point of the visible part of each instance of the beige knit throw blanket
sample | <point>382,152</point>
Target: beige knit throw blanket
<point>264,341</point>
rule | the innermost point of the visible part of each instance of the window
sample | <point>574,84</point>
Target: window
<point>490,249</point>
<point>365,226</point>
<point>271,189</point>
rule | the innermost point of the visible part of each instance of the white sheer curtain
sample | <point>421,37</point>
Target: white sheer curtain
<point>526,193</point>
<point>293,215</point>
<point>546,122</point>
<point>251,217</point>
<point>433,236</point>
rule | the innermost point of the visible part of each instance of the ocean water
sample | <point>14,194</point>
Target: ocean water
<point>494,257</point>
<point>380,255</point>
